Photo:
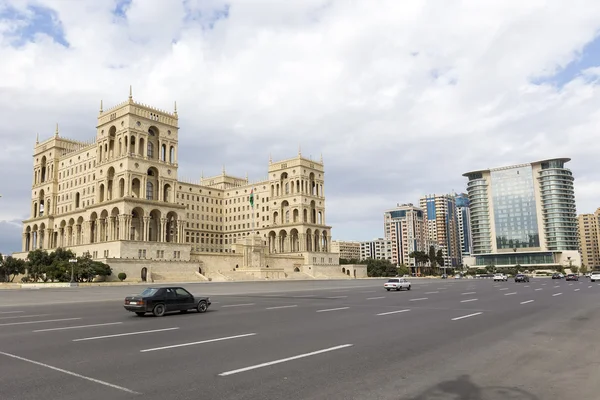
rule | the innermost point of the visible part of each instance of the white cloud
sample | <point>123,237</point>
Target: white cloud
<point>400,97</point>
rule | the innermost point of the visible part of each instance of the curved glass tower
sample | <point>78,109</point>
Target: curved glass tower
<point>558,206</point>
<point>524,214</point>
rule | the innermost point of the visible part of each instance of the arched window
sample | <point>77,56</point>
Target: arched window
<point>149,191</point>
<point>150,149</point>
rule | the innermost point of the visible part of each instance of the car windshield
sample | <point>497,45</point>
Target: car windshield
<point>148,292</point>
<point>596,273</point>
<point>393,280</point>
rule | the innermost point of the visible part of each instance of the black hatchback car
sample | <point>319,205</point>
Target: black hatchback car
<point>163,299</point>
<point>572,277</point>
<point>521,278</point>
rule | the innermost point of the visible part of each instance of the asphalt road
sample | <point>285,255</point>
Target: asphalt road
<point>442,340</point>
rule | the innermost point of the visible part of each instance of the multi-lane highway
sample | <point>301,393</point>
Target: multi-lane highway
<point>442,340</point>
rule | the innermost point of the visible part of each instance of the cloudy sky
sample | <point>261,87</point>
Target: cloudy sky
<point>400,97</point>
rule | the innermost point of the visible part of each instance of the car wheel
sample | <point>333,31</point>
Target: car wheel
<point>389,289</point>
<point>159,310</point>
<point>140,314</point>
<point>202,307</point>
<point>408,287</point>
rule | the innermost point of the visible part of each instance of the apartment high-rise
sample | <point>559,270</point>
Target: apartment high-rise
<point>589,239</point>
<point>376,249</point>
<point>405,227</point>
<point>442,227</point>
<point>348,250</point>
<point>464,224</point>
<point>524,214</point>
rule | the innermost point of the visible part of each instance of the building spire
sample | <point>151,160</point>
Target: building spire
<point>321,158</point>
<point>246,177</point>
<point>56,131</point>
<point>270,159</point>
<point>101,107</point>
<point>223,169</point>
<point>130,94</point>
<point>175,112</point>
<point>299,150</point>
<point>37,138</point>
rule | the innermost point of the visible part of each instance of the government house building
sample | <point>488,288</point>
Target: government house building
<point>119,199</point>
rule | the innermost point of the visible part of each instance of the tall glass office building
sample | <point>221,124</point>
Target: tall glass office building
<point>524,214</point>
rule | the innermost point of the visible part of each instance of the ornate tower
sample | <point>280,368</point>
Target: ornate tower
<point>297,207</point>
<point>137,153</point>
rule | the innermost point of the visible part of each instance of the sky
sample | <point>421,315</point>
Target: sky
<point>400,98</point>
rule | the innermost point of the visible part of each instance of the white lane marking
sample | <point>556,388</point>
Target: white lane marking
<point>504,288</point>
<point>526,285</point>
<point>441,288</point>
<point>337,297</point>
<point>284,360</point>
<point>570,284</point>
<point>539,289</point>
<point>278,307</point>
<point>17,312</point>
<point>124,334</point>
<point>200,342</point>
<point>334,309</point>
<point>576,290</point>
<point>468,293</point>
<point>431,292</point>
<point>39,322</point>
<point>528,301</point>
<point>64,371</point>
<point>466,301</point>
<point>556,294</point>
<point>509,294</point>
<point>589,286</point>
<point>421,298</point>
<point>393,312</point>
<point>306,295</point>
<point>466,316</point>
<point>369,291</point>
<point>556,286</point>
<point>375,298</point>
<point>26,316</point>
<point>76,327</point>
<point>238,305</point>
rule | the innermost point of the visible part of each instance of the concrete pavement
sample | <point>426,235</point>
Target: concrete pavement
<point>464,339</point>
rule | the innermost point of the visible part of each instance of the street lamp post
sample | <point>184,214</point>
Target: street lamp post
<point>72,261</point>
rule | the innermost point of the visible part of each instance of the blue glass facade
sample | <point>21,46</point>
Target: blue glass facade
<point>515,214</point>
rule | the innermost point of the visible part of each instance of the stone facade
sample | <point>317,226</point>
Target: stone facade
<point>120,198</point>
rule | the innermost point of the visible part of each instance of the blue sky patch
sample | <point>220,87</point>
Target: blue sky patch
<point>207,19</point>
<point>36,20</point>
<point>589,57</point>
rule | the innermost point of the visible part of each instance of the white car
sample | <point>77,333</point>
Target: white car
<point>500,277</point>
<point>594,276</point>
<point>396,284</point>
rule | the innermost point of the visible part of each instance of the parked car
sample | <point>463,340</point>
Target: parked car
<point>396,284</point>
<point>572,277</point>
<point>556,276</point>
<point>163,299</point>
<point>521,278</point>
<point>595,276</point>
<point>500,277</point>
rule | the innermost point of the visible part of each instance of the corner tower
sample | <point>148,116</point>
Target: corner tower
<point>297,207</point>
<point>137,152</point>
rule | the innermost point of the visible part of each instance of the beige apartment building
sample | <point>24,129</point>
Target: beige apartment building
<point>404,227</point>
<point>442,226</point>
<point>376,249</point>
<point>589,239</point>
<point>348,250</point>
<point>119,198</point>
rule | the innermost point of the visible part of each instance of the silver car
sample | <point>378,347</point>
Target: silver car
<point>396,284</point>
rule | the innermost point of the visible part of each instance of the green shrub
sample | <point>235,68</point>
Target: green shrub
<point>122,276</point>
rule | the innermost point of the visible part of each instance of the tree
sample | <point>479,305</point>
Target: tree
<point>380,268</point>
<point>432,259</point>
<point>403,270</point>
<point>583,269</point>
<point>10,268</point>
<point>574,269</point>
<point>439,258</point>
